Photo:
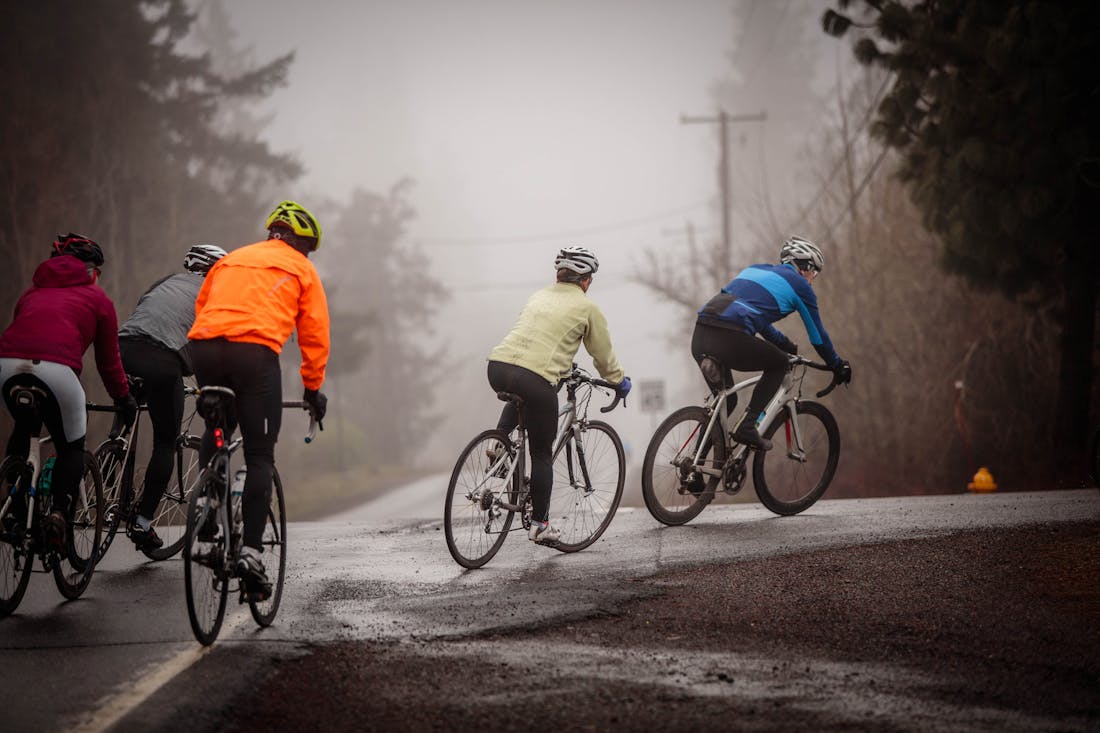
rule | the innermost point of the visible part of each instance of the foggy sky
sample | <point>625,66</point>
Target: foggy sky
<point>526,126</point>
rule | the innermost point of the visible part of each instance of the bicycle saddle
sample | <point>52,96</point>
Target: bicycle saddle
<point>214,403</point>
<point>26,396</point>
<point>510,397</point>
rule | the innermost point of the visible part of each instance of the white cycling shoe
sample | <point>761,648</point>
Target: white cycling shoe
<point>543,535</point>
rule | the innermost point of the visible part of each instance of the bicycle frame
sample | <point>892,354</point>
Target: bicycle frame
<point>785,399</point>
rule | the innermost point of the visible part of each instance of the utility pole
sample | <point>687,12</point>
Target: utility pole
<point>724,119</point>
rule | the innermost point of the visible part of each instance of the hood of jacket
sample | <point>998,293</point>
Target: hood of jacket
<point>65,271</point>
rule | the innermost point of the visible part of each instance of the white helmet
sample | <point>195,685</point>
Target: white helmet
<point>797,249</point>
<point>202,257</point>
<point>578,259</point>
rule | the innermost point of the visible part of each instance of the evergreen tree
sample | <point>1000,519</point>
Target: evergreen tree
<point>995,109</point>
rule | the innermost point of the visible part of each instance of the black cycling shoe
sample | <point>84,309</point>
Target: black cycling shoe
<point>53,530</point>
<point>145,540</point>
<point>747,433</point>
<point>250,569</point>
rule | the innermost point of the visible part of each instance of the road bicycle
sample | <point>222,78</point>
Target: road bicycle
<point>215,527</point>
<point>490,484</point>
<point>26,502</point>
<point>692,457</point>
<point>116,458</point>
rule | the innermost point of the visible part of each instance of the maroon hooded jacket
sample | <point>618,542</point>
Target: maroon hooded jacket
<point>60,316</point>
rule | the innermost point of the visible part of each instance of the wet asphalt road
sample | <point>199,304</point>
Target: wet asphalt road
<point>123,656</point>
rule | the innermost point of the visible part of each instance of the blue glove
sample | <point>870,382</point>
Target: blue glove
<point>623,388</point>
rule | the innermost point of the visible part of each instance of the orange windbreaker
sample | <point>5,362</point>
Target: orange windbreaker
<point>258,294</point>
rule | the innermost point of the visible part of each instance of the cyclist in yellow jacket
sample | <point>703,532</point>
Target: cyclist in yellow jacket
<point>250,302</point>
<point>537,354</point>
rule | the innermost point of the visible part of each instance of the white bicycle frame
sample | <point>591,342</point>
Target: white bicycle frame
<point>785,399</point>
<point>35,459</point>
<point>567,420</point>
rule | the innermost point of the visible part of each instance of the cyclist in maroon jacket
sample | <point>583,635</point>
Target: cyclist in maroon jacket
<point>56,320</point>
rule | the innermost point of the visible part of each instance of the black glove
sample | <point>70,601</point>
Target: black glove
<point>791,348</point>
<point>842,371</point>
<point>317,402</point>
<point>126,410</point>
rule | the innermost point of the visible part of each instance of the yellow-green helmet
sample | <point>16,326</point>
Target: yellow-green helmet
<point>300,221</point>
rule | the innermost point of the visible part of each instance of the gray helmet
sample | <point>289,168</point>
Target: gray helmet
<point>799,250</point>
<point>202,257</point>
<point>578,259</point>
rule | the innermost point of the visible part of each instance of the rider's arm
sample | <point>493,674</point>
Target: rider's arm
<point>811,317</point>
<point>313,331</point>
<point>777,337</point>
<point>597,341</point>
<point>107,359</point>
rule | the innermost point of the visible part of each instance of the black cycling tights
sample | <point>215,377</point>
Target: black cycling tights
<point>540,411</point>
<point>162,374</point>
<point>252,372</point>
<point>69,464</point>
<point>744,353</point>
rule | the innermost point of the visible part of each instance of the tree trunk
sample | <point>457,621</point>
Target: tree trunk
<point>1075,370</point>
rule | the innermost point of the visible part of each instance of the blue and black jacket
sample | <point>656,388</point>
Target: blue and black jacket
<point>759,296</point>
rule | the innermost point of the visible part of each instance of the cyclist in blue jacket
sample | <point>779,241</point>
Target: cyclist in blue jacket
<point>726,328</point>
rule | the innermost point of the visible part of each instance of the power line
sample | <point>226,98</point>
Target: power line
<point>858,192</point>
<point>549,237</point>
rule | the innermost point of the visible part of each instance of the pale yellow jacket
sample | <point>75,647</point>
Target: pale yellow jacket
<point>550,329</point>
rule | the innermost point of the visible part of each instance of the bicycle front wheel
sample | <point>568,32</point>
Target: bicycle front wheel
<point>170,518</point>
<point>274,555</point>
<point>673,487</point>
<point>589,473</point>
<point>800,466</point>
<point>73,570</point>
<point>16,562</point>
<point>110,456</point>
<point>205,570</point>
<point>474,523</point>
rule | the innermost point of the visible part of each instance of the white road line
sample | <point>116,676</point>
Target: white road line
<point>134,692</point>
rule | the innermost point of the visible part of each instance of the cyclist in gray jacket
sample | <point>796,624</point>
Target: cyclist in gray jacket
<point>153,343</point>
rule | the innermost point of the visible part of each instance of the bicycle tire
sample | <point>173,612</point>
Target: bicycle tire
<point>673,494</point>
<point>170,518</point>
<point>84,535</point>
<point>274,541</point>
<point>117,490</point>
<point>473,530</point>
<point>205,571</point>
<point>588,486</point>
<point>786,485</point>
<point>15,563</point>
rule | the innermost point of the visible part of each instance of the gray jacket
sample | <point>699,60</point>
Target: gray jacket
<point>164,315</point>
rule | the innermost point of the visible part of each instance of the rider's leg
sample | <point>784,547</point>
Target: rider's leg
<point>162,374</point>
<point>257,382</point>
<point>745,353</point>
<point>540,405</point>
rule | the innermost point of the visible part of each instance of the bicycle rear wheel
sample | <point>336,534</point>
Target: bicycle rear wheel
<point>588,485</point>
<point>474,524</point>
<point>673,489</point>
<point>274,555</point>
<point>788,481</point>
<point>170,519</point>
<point>205,570</point>
<point>117,489</point>
<point>15,562</point>
<point>73,570</point>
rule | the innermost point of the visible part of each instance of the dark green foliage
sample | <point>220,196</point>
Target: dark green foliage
<point>995,108</point>
<point>110,131</point>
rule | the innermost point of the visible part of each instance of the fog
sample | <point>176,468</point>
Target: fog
<point>527,126</point>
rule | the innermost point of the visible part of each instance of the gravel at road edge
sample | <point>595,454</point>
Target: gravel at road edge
<point>977,631</point>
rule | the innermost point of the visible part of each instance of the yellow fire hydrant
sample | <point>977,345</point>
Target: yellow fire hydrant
<point>983,481</point>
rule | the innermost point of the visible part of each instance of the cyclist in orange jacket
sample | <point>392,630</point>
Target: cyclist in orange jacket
<point>249,304</point>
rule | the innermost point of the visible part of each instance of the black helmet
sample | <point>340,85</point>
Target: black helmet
<point>78,246</point>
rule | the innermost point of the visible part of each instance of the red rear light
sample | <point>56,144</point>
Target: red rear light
<point>219,438</point>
